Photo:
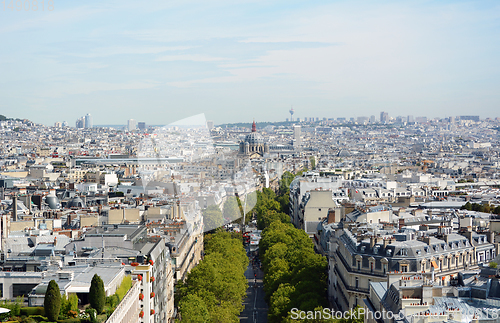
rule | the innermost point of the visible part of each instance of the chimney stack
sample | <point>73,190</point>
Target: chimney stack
<point>388,241</point>
<point>14,207</point>
<point>331,216</point>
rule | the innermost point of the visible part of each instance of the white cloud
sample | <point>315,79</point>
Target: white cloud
<point>190,57</point>
<point>51,18</point>
<point>84,87</point>
<point>111,51</point>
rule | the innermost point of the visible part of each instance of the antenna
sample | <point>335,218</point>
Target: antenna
<point>291,113</point>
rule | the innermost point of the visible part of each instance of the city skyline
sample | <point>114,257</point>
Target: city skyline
<point>235,62</point>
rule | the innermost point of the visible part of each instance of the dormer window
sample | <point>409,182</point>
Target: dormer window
<point>404,252</point>
<point>388,252</point>
<point>419,252</point>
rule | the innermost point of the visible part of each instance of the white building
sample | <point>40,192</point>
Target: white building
<point>131,125</point>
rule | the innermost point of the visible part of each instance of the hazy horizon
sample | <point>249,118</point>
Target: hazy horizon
<point>161,62</point>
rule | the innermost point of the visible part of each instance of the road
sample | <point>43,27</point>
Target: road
<point>255,306</point>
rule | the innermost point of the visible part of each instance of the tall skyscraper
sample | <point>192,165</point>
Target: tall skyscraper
<point>88,121</point>
<point>297,132</point>
<point>141,125</point>
<point>80,123</point>
<point>384,117</point>
<point>131,125</point>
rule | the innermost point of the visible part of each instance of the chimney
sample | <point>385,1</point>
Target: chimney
<point>14,207</point>
<point>468,234</point>
<point>28,202</point>
<point>172,211</point>
<point>331,216</point>
<point>388,241</point>
<point>373,241</point>
<point>491,236</point>
<point>426,240</point>
<point>401,223</point>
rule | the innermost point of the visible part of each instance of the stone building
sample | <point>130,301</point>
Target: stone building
<point>253,146</point>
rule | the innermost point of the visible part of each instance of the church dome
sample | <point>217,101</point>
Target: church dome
<point>254,138</point>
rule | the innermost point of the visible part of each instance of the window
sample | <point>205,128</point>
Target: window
<point>357,282</point>
<point>404,268</point>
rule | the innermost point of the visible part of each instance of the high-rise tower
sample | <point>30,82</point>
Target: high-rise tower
<point>88,121</point>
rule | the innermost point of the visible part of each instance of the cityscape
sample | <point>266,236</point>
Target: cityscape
<point>402,213</point>
<point>249,161</point>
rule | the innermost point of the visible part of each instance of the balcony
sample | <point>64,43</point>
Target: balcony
<point>351,288</point>
<point>357,271</point>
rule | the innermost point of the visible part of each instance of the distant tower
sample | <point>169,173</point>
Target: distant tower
<point>384,117</point>
<point>254,127</point>
<point>131,125</point>
<point>88,121</point>
<point>291,114</point>
<point>297,133</point>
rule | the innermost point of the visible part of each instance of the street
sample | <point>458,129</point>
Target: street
<point>255,306</point>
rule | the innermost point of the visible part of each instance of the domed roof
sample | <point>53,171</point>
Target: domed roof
<point>76,202</point>
<point>254,138</point>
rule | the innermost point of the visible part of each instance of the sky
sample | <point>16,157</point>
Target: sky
<point>239,60</point>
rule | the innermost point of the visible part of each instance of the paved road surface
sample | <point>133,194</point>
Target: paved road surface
<point>255,306</point>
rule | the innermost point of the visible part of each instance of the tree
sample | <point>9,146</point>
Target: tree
<point>312,159</point>
<point>217,286</point>
<point>52,301</point>
<point>286,180</point>
<point>193,309</point>
<point>97,295</point>
<point>212,218</point>
<point>467,206</point>
<point>231,209</point>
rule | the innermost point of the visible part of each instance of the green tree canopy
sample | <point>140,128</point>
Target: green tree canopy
<point>194,309</point>
<point>97,294</point>
<point>212,218</point>
<point>52,301</point>
<point>231,209</point>
<point>218,283</point>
